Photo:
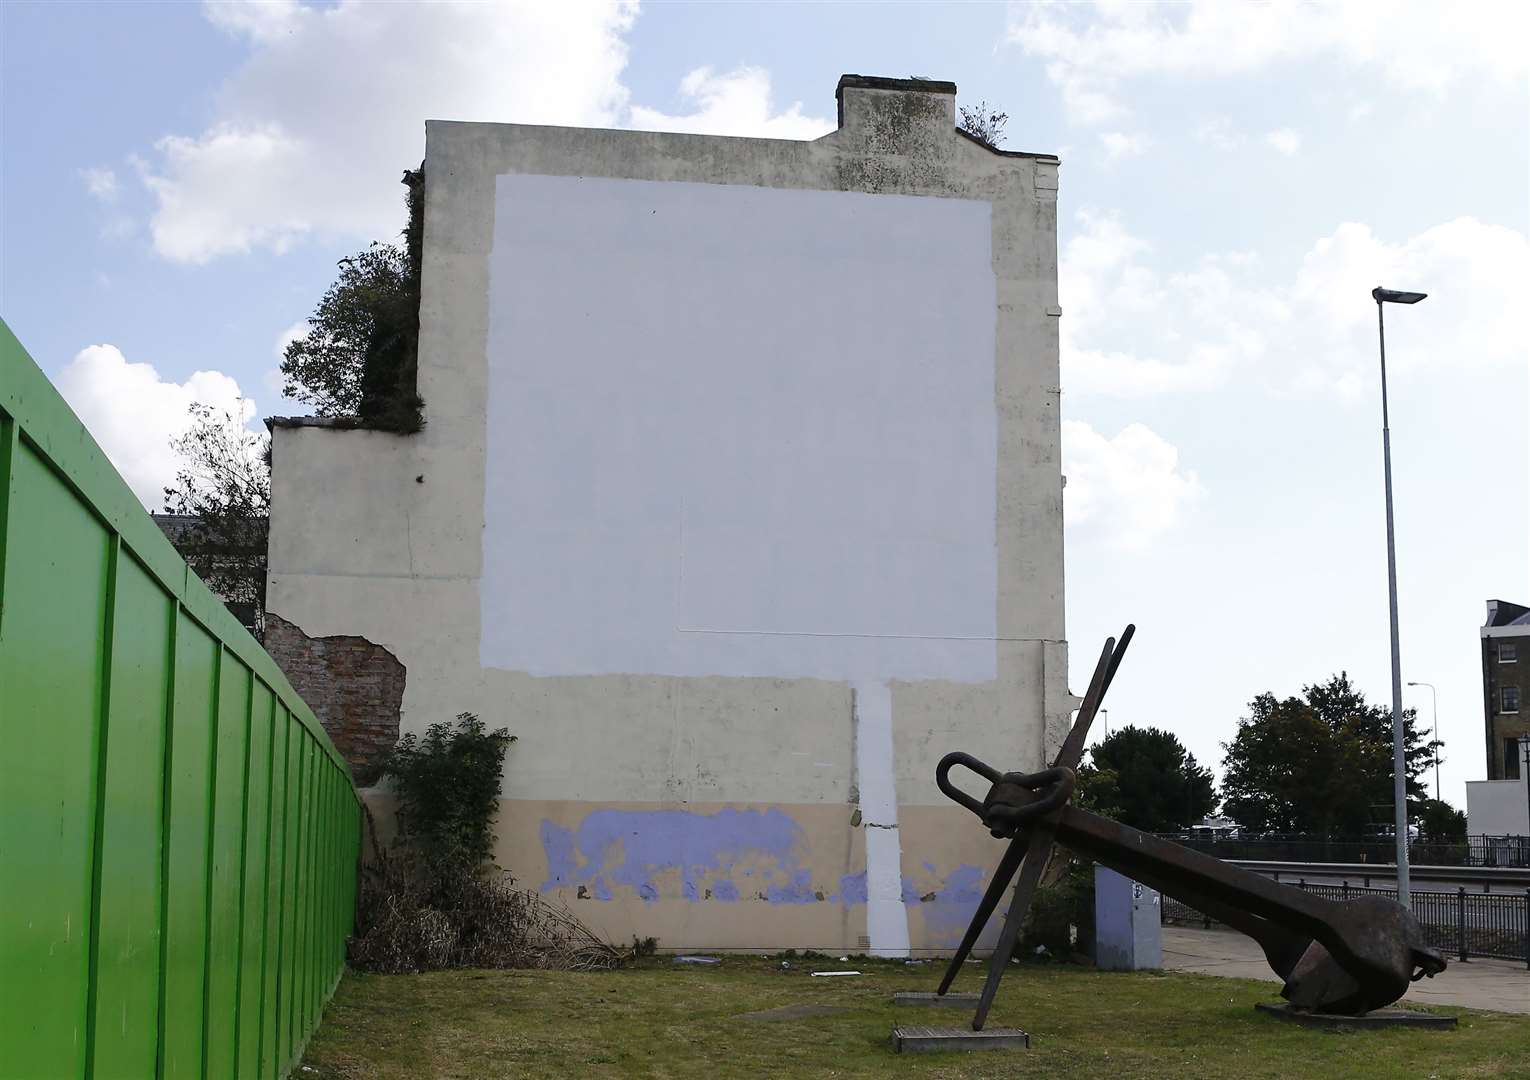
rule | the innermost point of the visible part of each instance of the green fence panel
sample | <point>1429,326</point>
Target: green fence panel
<point>50,682</point>
<point>178,835</point>
<point>227,839</point>
<point>257,857</point>
<point>271,939</point>
<point>186,873</point>
<point>126,940</point>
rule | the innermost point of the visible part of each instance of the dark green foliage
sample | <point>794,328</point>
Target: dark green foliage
<point>1060,921</point>
<point>1148,780</point>
<point>224,487</point>
<point>1439,822</point>
<point>1319,763</point>
<point>360,356</point>
<point>448,793</point>
<point>644,947</point>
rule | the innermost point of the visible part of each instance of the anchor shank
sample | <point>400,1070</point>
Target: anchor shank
<point>1139,855</point>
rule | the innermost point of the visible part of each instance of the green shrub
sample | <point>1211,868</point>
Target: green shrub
<point>448,785</point>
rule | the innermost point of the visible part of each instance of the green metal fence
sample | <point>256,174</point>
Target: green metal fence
<point>178,837</point>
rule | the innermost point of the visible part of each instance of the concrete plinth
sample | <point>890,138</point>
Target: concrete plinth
<point>918,1040</point>
<point>1379,1018</point>
<point>930,999</point>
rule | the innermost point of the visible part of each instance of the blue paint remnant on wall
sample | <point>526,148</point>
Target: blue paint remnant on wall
<point>947,915</point>
<point>799,890</point>
<point>632,848</point>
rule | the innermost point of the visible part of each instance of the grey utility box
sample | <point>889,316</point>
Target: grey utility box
<point>1128,931</point>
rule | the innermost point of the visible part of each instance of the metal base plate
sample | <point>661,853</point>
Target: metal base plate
<point>1378,1018</point>
<point>907,1039</point>
<point>929,998</point>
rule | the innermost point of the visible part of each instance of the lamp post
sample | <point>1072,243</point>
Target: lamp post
<point>1399,757</point>
<point>1524,774</point>
<point>1434,699</point>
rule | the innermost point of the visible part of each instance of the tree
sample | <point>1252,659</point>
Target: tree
<point>1150,780</point>
<point>1441,823</point>
<point>983,123</point>
<point>223,488</point>
<point>448,786</point>
<point>361,353</point>
<point>1319,763</point>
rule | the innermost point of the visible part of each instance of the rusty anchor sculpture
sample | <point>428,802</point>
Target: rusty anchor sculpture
<point>1335,957</point>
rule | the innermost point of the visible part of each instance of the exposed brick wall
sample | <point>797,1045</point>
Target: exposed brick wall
<point>354,687</point>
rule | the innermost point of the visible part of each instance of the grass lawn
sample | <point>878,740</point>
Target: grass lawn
<point>661,1020</point>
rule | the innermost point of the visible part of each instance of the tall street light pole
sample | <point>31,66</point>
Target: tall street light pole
<point>1434,699</point>
<point>1399,755</point>
<point>1524,772</point>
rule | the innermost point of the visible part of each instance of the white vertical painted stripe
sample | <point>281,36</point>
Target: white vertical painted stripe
<point>886,917</point>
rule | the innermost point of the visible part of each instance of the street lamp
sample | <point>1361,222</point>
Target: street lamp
<point>1524,774</point>
<point>1399,758</point>
<point>1435,737</point>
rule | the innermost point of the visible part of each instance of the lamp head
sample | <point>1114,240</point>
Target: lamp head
<point>1396,296</point>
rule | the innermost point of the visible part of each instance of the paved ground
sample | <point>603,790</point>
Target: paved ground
<point>1500,985</point>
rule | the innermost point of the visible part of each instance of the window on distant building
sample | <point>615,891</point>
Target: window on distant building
<point>1508,652</point>
<point>1508,699</point>
<point>1511,759</point>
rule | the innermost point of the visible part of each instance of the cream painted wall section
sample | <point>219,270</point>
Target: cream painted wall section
<point>756,765</point>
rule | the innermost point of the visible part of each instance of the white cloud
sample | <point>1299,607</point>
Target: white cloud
<point>1285,141</point>
<point>1475,275</point>
<point>134,413</point>
<point>273,380</point>
<point>313,131</point>
<point>293,333</point>
<point>1121,145</point>
<point>1090,51</point>
<point>101,183</point>
<point>1359,111</point>
<point>1129,489</point>
<point>737,103</point>
<point>1130,328</point>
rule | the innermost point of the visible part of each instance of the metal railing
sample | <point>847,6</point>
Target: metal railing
<point>1505,851</point>
<point>1459,924</point>
<point>178,837</point>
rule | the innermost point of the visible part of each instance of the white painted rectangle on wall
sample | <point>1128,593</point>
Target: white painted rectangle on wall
<point>738,431</point>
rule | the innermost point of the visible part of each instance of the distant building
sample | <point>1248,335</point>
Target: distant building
<point>182,530</point>
<point>1505,664</point>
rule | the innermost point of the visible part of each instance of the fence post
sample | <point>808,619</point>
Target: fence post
<point>1346,889</point>
<point>1461,921</point>
<point>1527,928</point>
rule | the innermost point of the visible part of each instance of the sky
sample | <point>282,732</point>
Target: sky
<point>177,183</point>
